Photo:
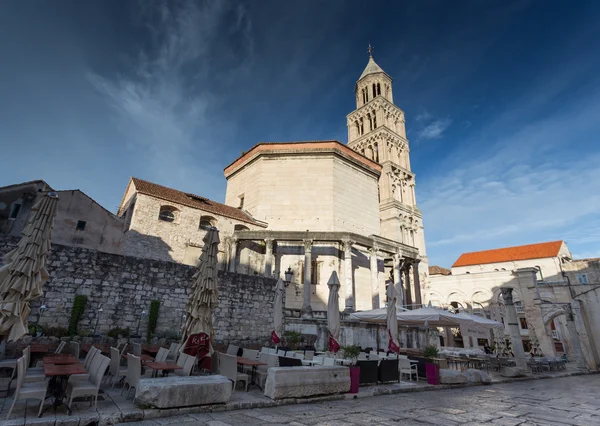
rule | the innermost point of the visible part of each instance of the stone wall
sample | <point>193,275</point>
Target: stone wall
<point>125,286</point>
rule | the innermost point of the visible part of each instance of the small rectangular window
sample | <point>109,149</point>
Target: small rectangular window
<point>80,225</point>
<point>582,279</point>
<point>523,323</point>
<point>14,210</point>
<point>241,206</point>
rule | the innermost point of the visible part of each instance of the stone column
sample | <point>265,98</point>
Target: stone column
<point>374,277</point>
<point>348,287</point>
<point>268,257</point>
<point>513,327</point>
<point>408,297</point>
<point>575,341</point>
<point>306,305</point>
<point>233,255</point>
<point>398,264</point>
<point>412,192</point>
<point>417,283</point>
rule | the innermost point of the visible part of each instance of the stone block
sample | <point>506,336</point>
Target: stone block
<point>472,375</point>
<point>172,392</point>
<point>302,382</point>
<point>452,377</point>
<point>513,372</point>
<point>485,378</point>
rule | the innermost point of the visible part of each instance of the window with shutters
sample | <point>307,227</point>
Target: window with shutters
<point>582,279</point>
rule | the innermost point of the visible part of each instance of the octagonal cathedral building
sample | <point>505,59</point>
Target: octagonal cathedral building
<point>349,208</point>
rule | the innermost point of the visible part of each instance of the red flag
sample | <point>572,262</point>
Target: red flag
<point>392,346</point>
<point>333,345</point>
<point>274,337</point>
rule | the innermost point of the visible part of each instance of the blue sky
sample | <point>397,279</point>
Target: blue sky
<point>502,100</point>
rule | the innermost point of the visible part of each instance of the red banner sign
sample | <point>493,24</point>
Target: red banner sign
<point>274,337</point>
<point>197,345</point>
<point>392,346</point>
<point>333,345</point>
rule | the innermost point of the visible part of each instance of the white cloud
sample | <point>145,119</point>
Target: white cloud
<point>163,103</point>
<point>530,185</point>
<point>435,129</point>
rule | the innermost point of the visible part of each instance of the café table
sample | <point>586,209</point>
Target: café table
<point>165,367</point>
<point>59,374</point>
<point>151,349</point>
<point>253,363</point>
<point>60,359</point>
<point>37,350</point>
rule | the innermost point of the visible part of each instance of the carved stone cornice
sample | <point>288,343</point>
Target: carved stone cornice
<point>347,243</point>
<point>377,103</point>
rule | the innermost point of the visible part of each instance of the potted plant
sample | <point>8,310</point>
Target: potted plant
<point>351,353</point>
<point>432,368</point>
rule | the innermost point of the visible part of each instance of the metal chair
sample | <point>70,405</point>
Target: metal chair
<point>27,390</point>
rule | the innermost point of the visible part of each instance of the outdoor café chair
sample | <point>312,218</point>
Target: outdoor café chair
<point>362,356</point>
<point>35,374</point>
<point>137,349</point>
<point>187,362</point>
<point>161,355</point>
<point>87,364</point>
<point>285,361</point>
<point>406,367</point>
<point>134,372</point>
<point>309,355</point>
<point>328,362</point>
<point>60,347</point>
<point>173,351</point>
<point>27,390</point>
<point>115,369</point>
<point>368,371</point>
<point>228,368</point>
<point>90,387</point>
<point>388,370</point>
<point>73,349</point>
<point>232,350</point>
<point>250,354</point>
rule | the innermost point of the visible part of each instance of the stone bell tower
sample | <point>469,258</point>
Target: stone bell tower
<point>377,130</point>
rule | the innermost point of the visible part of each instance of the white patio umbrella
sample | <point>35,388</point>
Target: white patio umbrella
<point>432,317</point>
<point>278,311</point>
<point>392,319</point>
<point>205,295</point>
<point>333,312</point>
<point>24,274</point>
<point>374,315</point>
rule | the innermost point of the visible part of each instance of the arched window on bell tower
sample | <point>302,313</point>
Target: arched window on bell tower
<point>378,89</point>
<point>374,90</point>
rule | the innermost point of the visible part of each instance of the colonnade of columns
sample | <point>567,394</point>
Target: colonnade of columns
<point>409,290</point>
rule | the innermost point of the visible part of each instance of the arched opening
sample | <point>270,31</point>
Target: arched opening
<point>374,90</point>
<point>241,228</point>
<point>207,222</point>
<point>378,89</point>
<point>167,213</point>
<point>374,121</point>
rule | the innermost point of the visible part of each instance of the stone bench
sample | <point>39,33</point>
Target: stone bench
<point>172,392</point>
<point>301,382</point>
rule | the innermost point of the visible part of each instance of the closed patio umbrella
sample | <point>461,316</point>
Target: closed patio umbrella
<point>278,312</point>
<point>24,272</point>
<point>392,319</point>
<point>203,300</point>
<point>333,313</point>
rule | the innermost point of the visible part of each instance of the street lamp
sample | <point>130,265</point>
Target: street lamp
<point>100,310</point>
<point>41,311</point>
<point>137,331</point>
<point>289,274</point>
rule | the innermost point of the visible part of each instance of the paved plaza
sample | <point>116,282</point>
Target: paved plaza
<point>563,401</point>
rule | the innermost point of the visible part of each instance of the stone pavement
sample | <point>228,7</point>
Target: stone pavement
<point>562,401</point>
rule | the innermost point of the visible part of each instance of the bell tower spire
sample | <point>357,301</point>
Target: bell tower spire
<point>376,129</point>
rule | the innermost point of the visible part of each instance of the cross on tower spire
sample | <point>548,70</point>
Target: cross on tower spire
<point>370,50</point>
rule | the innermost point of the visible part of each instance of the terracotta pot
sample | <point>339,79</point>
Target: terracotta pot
<point>354,379</point>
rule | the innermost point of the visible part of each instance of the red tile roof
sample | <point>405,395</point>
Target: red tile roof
<point>191,200</point>
<point>508,254</point>
<point>438,270</point>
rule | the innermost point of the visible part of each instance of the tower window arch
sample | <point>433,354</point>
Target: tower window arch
<point>374,90</point>
<point>167,213</point>
<point>378,89</point>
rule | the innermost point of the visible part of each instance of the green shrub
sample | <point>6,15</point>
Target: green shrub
<point>56,332</point>
<point>153,317</point>
<point>76,313</point>
<point>431,352</point>
<point>118,331</point>
<point>351,352</point>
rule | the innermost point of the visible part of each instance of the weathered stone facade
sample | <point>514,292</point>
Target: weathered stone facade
<point>125,286</point>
